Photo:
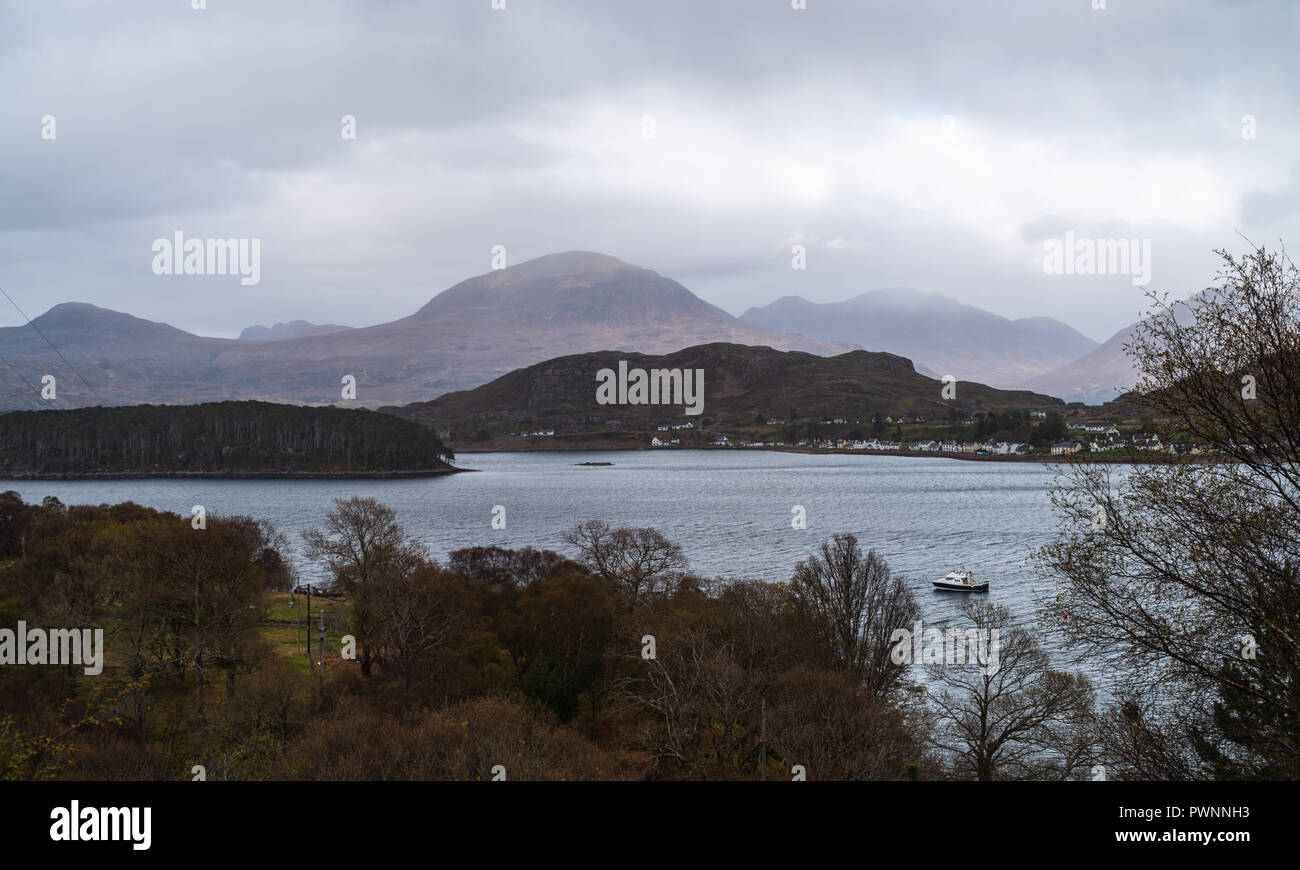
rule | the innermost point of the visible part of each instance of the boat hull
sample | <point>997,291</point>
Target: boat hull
<point>960,587</point>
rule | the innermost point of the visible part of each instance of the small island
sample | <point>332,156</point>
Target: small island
<point>217,439</point>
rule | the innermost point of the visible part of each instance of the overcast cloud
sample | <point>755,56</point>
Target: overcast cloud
<point>524,127</point>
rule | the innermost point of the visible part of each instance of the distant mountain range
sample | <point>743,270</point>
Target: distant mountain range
<point>1097,377</point>
<point>292,329</point>
<point>465,336</point>
<point>941,335</point>
<point>1106,372</point>
<point>740,383</point>
<point>550,307</point>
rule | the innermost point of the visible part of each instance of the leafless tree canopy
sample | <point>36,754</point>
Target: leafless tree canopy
<point>365,550</point>
<point>641,562</point>
<point>1019,719</point>
<point>862,605</point>
<point>1185,578</point>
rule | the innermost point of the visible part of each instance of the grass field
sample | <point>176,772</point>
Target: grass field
<point>283,627</point>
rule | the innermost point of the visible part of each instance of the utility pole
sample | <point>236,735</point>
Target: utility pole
<point>762,738</point>
<point>297,621</point>
<point>322,649</point>
<point>307,620</point>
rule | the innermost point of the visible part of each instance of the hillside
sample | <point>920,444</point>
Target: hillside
<point>1097,377</point>
<point>224,438</point>
<point>941,335</point>
<point>1107,372</point>
<point>740,384</point>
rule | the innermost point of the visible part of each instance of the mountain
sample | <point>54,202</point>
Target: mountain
<point>292,329</point>
<point>85,331</point>
<point>124,359</point>
<point>586,298</point>
<point>1096,377</point>
<point>740,383</point>
<point>465,336</point>
<point>941,335</point>
<point>1108,371</point>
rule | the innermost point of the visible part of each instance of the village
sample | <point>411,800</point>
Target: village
<point>1111,442</point>
<point>1081,438</point>
<point>908,434</point>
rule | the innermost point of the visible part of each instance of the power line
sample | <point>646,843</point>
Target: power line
<point>18,372</point>
<point>180,481</point>
<point>52,347</point>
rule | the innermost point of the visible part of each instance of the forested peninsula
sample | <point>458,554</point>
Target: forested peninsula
<point>216,439</point>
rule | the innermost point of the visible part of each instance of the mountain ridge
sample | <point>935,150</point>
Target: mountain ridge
<point>291,329</point>
<point>463,336</point>
<point>921,325</point>
<point>740,382</point>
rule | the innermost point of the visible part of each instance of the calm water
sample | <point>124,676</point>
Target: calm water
<point>730,510</point>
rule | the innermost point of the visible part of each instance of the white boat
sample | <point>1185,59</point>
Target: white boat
<point>961,581</point>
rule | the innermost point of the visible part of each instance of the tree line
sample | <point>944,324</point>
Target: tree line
<point>612,662</point>
<point>216,437</point>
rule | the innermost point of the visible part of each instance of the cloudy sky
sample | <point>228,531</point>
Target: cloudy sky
<point>933,145</point>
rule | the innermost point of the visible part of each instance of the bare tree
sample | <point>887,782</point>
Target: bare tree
<point>836,731</point>
<point>1186,576</point>
<point>1007,714</point>
<point>700,708</point>
<point>861,605</point>
<point>361,544</point>
<point>206,593</point>
<point>415,617</point>
<point>1144,735</point>
<point>639,562</point>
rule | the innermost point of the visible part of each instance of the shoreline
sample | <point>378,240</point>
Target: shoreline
<point>234,475</point>
<point>1074,458</point>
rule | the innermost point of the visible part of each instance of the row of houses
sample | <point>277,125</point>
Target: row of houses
<point>982,448</point>
<point>1001,448</point>
<point>1109,440</point>
<point>992,448</point>
<point>1134,442</point>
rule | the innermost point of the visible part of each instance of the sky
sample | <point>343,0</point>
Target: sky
<point>934,144</point>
